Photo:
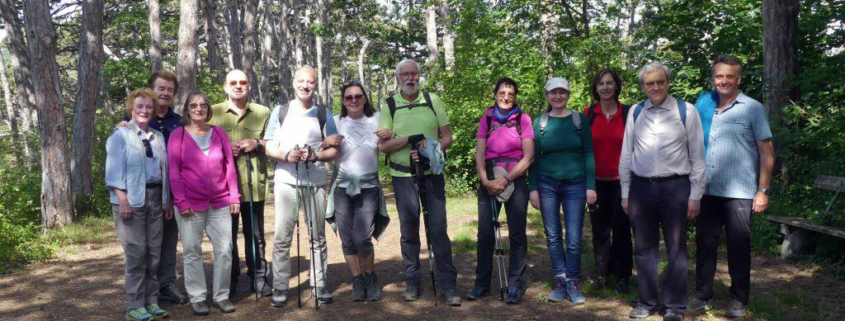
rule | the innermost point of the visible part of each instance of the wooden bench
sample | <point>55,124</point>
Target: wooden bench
<point>800,233</point>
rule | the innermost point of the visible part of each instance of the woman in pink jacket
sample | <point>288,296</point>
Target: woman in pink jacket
<point>205,190</point>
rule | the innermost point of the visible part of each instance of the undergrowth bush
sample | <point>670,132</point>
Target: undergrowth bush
<point>20,218</point>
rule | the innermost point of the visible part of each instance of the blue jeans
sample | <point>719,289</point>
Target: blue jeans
<point>571,194</point>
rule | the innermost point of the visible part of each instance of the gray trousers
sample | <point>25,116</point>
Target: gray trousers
<point>218,224</point>
<point>355,218</point>
<point>286,219</point>
<point>140,236</point>
<point>408,206</point>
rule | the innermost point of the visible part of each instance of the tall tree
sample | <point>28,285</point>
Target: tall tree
<point>267,33</point>
<point>324,53</point>
<point>284,57</point>
<point>233,24</point>
<point>209,11</point>
<point>448,35</point>
<point>780,34</point>
<point>155,34</point>
<point>56,195</point>
<point>11,121</point>
<point>250,23</point>
<point>87,95</point>
<point>431,33</point>
<point>361,54</point>
<point>24,91</point>
<point>548,20</point>
<point>186,64</point>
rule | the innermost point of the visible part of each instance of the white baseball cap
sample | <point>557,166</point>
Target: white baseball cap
<point>555,83</point>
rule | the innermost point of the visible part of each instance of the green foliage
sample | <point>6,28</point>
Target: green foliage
<point>20,218</point>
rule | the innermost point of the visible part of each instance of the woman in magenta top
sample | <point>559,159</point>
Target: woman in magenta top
<point>611,228</point>
<point>205,190</point>
<point>504,150</point>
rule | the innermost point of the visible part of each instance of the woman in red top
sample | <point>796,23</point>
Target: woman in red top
<point>614,254</point>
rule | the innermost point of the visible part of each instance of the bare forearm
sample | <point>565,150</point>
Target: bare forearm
<point>767,163</point>
<point>273,151</point>
<point>328,154</point>
<point>393,144</point>
<point>480,162</point>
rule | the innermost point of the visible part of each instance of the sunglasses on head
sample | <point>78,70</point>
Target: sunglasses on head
<point>353,97</point>
<point>148,148</point>
<point>236,82</point>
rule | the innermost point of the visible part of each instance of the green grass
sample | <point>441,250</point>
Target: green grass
<point>87,230</point>
<point>465,242</point>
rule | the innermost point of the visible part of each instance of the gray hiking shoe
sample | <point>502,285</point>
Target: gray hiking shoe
<point>696,304</point>
<point>199,308</point>
<point>451,298</point>
<point>359,288</point>
<point>225,306</point>
<point>279,298</point>
<point>735,309</point>
<point>322,294</point>
<point>373,289</point>
<point>412,292</point>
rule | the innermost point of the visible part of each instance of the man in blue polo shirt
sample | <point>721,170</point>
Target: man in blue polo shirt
<point>739,157</point>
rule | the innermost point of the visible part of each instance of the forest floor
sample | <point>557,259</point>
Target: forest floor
<point>85,282</point>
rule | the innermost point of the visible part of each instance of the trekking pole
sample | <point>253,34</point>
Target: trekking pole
<point>499,249</point>
<point>296,226</point>
<point>418,175</point>
<point>312,203</point>
<point>252,224</point>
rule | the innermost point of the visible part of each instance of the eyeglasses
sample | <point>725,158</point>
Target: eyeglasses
<point>505,95</point>
<point>239,82</point>
<point>148,147</point>
<point>195,105</point>
<point>351,98</point>
<point>408,75</point>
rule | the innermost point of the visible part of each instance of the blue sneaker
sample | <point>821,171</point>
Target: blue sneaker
<point>559,293</point>
<point>514,295</point>
<point>477,292</point>
<point>573,290</point>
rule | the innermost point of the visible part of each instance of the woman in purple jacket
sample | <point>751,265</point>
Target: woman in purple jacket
<point>205,190</point>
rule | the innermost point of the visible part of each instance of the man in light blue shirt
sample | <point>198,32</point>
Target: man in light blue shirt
<point>739,160</point>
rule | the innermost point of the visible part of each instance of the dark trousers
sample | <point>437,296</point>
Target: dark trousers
<point>355,219</point>
<point>408,205</point>
<point>735,215</point>
<point>249,232</point>
<point>612,245</point>
<point>169,240</point>
<point>516,208</point>
<point>652,206</point>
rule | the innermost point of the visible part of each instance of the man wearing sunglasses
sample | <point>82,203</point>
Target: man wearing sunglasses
<point>245,123</point>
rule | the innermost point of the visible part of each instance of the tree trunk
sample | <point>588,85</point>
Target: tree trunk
<point>548,20</point>
<point>431,33</point>
<point>284,53</point>
<point>233,23</point>
<point>186,64</point>
<point>56,195</point>
<point>24,91</point>
<point>209,11</point>
<point>361,55</point>
<point>780,34</point>
<point>87,95</point>
<point>323,57</point>
<point>448,35</point>
<point>12,121</point>
<point>250,24</point>
<point>585,17</point>
<point>155,34</point>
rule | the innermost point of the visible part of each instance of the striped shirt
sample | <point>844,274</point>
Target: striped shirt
<point>251,125</point>
<point>732,160</point>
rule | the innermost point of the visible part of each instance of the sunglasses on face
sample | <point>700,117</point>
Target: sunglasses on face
<point>351,98</point>
<point>238,82</point>
<point>148,148</point>
<point>195,105</point>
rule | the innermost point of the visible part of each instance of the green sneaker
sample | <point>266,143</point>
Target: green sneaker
<point>139,314</point>
<point>156,311</point>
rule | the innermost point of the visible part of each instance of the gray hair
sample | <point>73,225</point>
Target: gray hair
<point>402,64</point>
<point>653,66</point>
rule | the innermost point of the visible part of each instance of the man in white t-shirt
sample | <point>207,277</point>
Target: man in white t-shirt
<point>300,125</point>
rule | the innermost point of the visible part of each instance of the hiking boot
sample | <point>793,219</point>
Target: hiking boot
<point>672,316</point>
<point>451,298</point>
<point>696,304</point>
<point>735,309</point>
<point>573,290</point>
<point>371,283</point>
<point>264,289</point>
<point>225,306</point>
<point>622,286</point>
<point>171,293</point>
<point>559,293</point>
<point>199,308</point>
<point>279,298</point>
<point>412,292</point>
<point>642,312</point>
<point>477,292</point>
<point>514,295</point>
<point>359,288</point>
<point>139,314</point>
<point>600,282</point>
<point>156,311</point>
<point>322,295</point>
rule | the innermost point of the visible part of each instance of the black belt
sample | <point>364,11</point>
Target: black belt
<point>153,185</point>
<point>660,179</point>
<point>406,169</point>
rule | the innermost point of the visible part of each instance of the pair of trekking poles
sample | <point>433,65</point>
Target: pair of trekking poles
<point>307,199</point>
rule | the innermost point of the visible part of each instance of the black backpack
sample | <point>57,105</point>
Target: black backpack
<point>321,117</point>
<point>391,104</point>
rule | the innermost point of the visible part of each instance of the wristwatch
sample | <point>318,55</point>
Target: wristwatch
<point>765,191</point>
<point>258,146</point>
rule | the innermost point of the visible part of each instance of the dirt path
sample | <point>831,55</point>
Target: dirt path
<point>86,283</point>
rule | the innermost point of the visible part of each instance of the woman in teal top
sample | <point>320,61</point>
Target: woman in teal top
<point>563,174</point>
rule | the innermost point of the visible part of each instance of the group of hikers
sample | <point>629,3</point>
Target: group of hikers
<point>639,170</point>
